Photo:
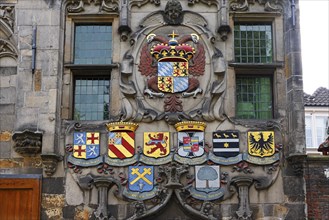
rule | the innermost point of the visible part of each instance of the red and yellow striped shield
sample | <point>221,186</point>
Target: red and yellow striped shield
<point>121,144</point>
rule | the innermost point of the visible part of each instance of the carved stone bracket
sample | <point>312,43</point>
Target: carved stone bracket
<point>50,161</point>
<point>223,31</point>
<point>27,142</point>
<point>124,27</point>
<point>297,163</point>
<point>224,27</point>
<point>243,183</point>
<point>103,184</point>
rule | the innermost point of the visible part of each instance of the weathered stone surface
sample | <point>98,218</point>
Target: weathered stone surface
<point>53,185</point>
<point>11,163</point>
<point>8,95</point>
<point>7,71</point>
<point>5,149</point>
<point>74,195</point>
<point>5,136</point>
<point>8,81</point>
<point>83,213</point>
<point>33,162</point>
<point>52,201</point>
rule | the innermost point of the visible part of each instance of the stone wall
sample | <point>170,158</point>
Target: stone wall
<point>317,181</point>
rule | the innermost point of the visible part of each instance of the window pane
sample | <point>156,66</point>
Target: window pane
<point>93,44</point>
<point>321,129</point>
<point>253,40</point>
<point>93,103</point>
<point>254,97</point>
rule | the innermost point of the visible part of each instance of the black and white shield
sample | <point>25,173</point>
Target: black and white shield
<point>226,143</point>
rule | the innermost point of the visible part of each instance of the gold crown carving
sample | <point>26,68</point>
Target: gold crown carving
<point>121,126</point>
<point>173,50</point>
<point>190,126</point>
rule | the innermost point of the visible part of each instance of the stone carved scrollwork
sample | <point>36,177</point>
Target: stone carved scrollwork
<point>77,6</point>
<point>244,5</point>
<point>109,6</point>
<point>50,162</point>
<point>140,3</point>
<point>27,142</point>
<point>206,2</point>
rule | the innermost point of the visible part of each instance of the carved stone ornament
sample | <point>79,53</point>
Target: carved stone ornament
<point>197,94</point>
<point>27,142</point>
<point>103,184</point>
<point>244,5</point>
<point>7,15</point>
<point>7,21</point>
<point>148,187</point>
<point>243,184</point>
<point>7,49</point>
<point>124,22</point>
<point>140,3</point>
<point>50,162</point>
<point>78,6</point>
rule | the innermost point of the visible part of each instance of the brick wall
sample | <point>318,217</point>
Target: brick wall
<point>317,187</point>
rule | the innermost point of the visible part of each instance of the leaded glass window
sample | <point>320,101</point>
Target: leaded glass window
<point>253,43</point>
<point>254,97</point>
<point>93,44</point>
<point>91,97</point>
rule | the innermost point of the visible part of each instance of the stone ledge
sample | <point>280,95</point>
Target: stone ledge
<point>317,158</point>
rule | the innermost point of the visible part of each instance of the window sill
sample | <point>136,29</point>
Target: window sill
<point>256,65</point>
<point>92,66</point>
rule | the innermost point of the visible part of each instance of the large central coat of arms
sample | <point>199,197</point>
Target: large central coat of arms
<point>176,60</point>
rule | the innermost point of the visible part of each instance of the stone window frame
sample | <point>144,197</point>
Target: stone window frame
<point>70,69</point>
<point>256,69</point>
